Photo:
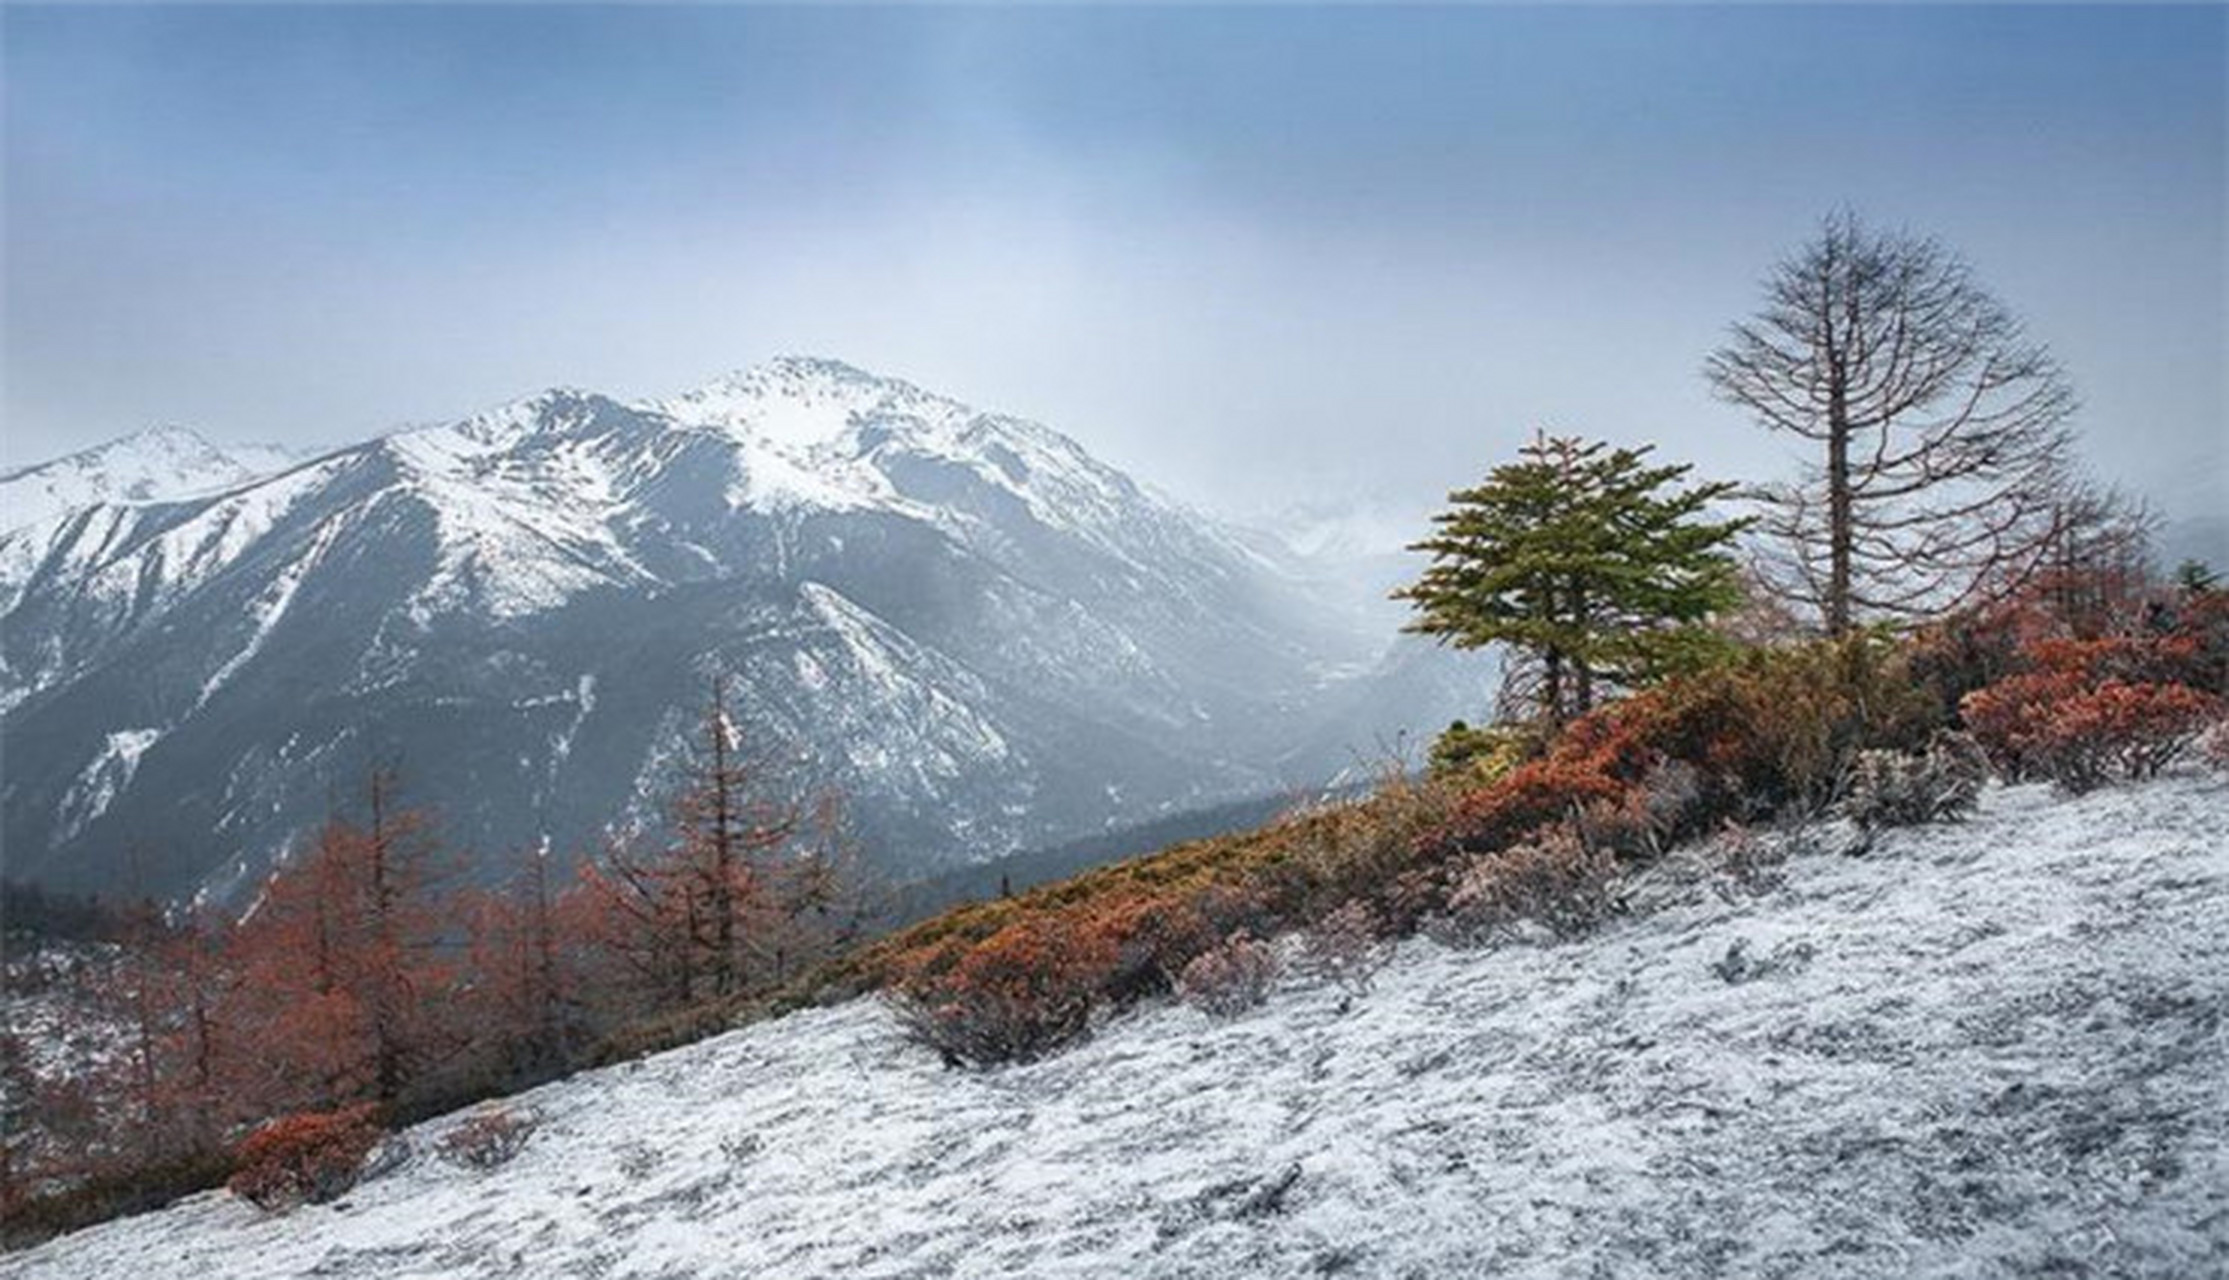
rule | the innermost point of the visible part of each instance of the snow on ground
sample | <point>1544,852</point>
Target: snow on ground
<point>1991,1049</point>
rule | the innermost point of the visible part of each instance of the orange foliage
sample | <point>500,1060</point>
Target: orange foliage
<point>341,963</point>
<point>2086,710</point>
<point>309,1157</point>
<point>1019,994</point>
<point>2082,735</point>
<point>1147,938</point>
<point>1538,794</point>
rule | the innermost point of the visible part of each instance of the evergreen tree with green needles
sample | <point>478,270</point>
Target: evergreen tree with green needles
<point>1584,558</point>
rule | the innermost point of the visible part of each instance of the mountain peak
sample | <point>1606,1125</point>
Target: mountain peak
<point>164,439</point>
<point>165,435</point>
<point>800,402</point>
<point>156,464</point>
<point>800,366</point>
<point>560,410</point>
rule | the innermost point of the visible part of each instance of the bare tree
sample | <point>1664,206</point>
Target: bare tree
<point>2099,562</point>
<point>1941,425</point>
<point>755,878</point>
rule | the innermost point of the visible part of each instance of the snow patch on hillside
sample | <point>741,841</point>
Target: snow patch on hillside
<point>268,608</point>
<point>1990,1049</point>
<point>513,540</point>
<point>110,772</point>
<point>883,676</point>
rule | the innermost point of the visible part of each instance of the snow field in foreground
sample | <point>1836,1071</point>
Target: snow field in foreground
<point>1989,1049</point>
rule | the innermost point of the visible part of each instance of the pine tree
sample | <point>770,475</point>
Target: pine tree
<point>730,820</point>
<point>707,914</point>
<point>342,961</point>
<point>1581,557</point>
<point>527,997</point>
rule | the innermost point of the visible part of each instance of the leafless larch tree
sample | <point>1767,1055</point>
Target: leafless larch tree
<point>1941,429</point>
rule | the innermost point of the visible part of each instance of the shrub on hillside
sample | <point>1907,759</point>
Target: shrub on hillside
<point>1776,731</point>
<point>1555,880</point>
<point>2124,731</point>
<point>1145,939</point>
<point>488,1139</point>
<point>1480,755</point>
<point>1347,947</point>
<point>1225,909</point>
<point>1230,979</point>
<point>1536,795</point>
<point>2167,658</point>
<point>1953,657</point>
<point>2055,724</point>
<point>1647,813</point>
<point>2213,745</point>
<point>1764,733</point>
<point>1896,788</point>
<point>1360,851</point>
<point>1014,997</point>
<point>309,1157</point>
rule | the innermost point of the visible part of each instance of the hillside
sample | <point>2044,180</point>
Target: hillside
<point>1987,1048</point>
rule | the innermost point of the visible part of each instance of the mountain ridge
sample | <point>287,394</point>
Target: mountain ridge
<point>991,639</point>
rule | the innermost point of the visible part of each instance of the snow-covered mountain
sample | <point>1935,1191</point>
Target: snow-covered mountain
<point>161,463</point>
<point>1988,1050</point>
<point>982,635</point>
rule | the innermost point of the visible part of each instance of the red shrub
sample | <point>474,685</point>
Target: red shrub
<point>2011,719</point>
<point>1533,796</point>
<point>2135,659</point>
<point>2055,724</point>
<point>308,1157</point>
<point>1017,995</point>
<point>2125,731</point>
<point>1147,940</point>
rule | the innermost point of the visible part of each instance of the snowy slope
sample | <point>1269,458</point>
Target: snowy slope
<point>1994,1049</point>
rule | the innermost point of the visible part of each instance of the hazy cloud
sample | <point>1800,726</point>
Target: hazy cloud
<point>1255,255</point>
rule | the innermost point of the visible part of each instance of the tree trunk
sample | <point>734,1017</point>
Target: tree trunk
<point>1551,686</point>
<point>1840,532</point>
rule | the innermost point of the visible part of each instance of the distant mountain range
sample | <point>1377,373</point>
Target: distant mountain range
<point>984,637</point>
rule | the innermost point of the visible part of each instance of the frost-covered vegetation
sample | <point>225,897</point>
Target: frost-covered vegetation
<point>1977,1049</point>
<point>1871,726</point>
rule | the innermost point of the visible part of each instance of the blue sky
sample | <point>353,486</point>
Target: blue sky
<point>1259,255</point>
